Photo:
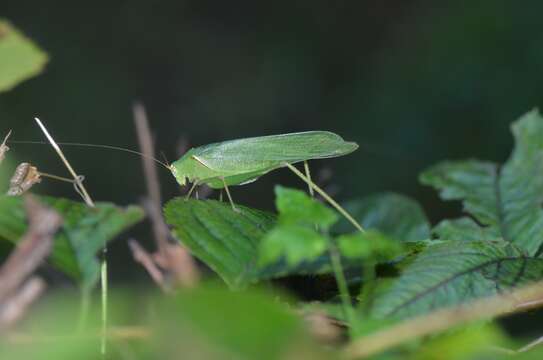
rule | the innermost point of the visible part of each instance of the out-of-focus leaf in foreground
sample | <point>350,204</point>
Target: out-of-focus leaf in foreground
<point>506,201</point>
<point>452,273</point>
<point>207,322</point>
<point>84,232</point>
<point>214,323</point>
<point>20,58</point>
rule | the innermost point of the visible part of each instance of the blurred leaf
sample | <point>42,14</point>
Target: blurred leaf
<point>478,341</point>
<point>371,245</point>
<point>84,232</point>
<point>20,58</point>
<point>507,201</point>
<point>215,323</point>
<point>295,243</point>
<point>207,322</point>
<point>465,229</point>
<point>397,216</point>
<point>451,273</point>
<point>296,207</point>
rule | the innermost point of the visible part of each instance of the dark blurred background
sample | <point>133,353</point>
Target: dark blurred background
<point>413,82</point>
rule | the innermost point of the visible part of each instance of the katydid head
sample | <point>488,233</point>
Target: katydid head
<point>182,169</point>
<point>181,179</point>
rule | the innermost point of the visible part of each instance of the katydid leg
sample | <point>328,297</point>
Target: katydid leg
<point>308,175</point>
<point>326,197</point>
<point>229,196</point>
<point>191,190</point>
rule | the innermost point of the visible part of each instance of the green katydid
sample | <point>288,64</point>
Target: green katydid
<point>242,161</point>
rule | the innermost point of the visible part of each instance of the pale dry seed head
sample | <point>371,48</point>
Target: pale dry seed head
<point>4,148</point>
<point>24,177</point>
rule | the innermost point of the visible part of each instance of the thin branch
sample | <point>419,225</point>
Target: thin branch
<point>84,194</point>
<point>521,299</point>
<point>114,333</point>
<point>531,345</point>
<point>151,175</point>
<point>171,256</point>
<point>15,307</point>
<point>146,260</point>
<point>32,249</point>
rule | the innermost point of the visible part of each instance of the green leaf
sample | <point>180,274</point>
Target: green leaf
<point>397,216</point>
<point>465,229</point>
<point>20,58</point>
<point>451,273</point>
<point>296,207</point>
<point>227,241</point>
<point>477,341</point>
<point>296,243</point>
<point>84,232</point>
<point>506,201</point>
<point>219,324</point>
<point>371,245</point>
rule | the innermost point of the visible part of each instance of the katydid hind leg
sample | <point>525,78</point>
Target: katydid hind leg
<point>326,197</point>
<point>229,195</point>
<point>308,175</point>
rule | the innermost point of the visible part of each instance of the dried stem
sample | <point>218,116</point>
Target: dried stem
<point>32,249</point>
<point>15,307</point>
<point>171,256</point>
<point>151,175</point>
<point>84,194</point>
<point>146,260</point>
<point>518,300</point>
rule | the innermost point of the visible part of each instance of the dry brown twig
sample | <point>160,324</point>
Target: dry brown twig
<point>146,260</point>
<point>12,310</point>
<point>171,257</point>
<point>522,299</point>
<point>30,252</point>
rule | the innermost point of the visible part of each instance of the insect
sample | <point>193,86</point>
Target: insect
<point>242,161</point>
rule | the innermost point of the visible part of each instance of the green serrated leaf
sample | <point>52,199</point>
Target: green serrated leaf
<point>84,232</point>
<point>465,229</point>
<point>296,207</point>
<point>371,245</point>
<point>295,243</point>
<point>20,58</point>
<point>507,201</point>
<point>396,216</point>
<point>451,273</point>
<point>227,241</point>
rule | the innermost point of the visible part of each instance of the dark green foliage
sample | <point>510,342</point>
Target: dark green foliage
<point>84,232</point>
<point>506,200</point>
<point>395,215</point>
<point>455,272</point>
